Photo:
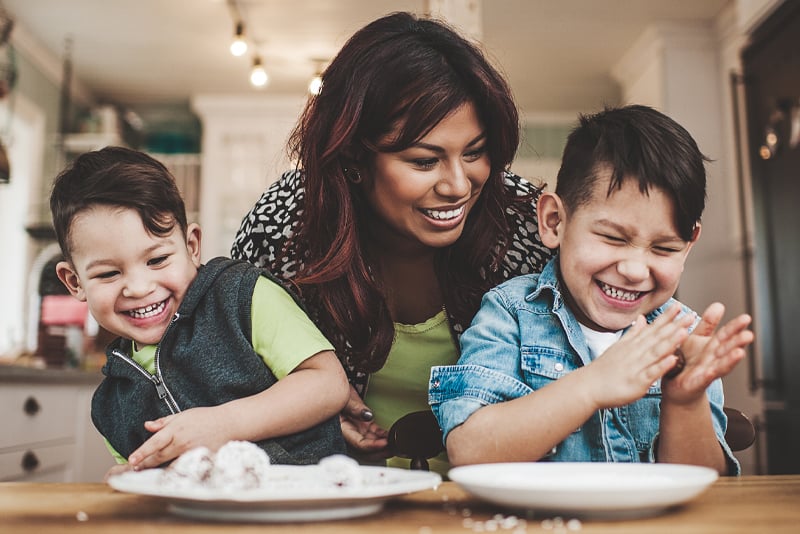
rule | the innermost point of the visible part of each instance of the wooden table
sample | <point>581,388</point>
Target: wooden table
<point>754,504</point>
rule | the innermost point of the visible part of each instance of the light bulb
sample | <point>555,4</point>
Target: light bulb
<point>315,85</point>
<point>258,76</point>
<point>771,138</point>
<point>239,45</point>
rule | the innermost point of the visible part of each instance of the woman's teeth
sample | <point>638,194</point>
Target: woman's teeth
<point>148,311</point>
<point>619,294</point>
<point>443,215</point>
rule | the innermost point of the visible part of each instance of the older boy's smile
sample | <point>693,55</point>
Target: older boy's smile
<point>619,293</point>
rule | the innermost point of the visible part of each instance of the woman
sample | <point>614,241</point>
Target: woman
<point>401,213</point>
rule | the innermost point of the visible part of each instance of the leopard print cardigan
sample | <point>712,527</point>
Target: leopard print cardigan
<point>274,218</point>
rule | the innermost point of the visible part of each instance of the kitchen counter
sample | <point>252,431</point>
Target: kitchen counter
<point>19,373</point>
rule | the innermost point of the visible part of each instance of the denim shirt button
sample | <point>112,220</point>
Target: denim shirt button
<point>559,367</point>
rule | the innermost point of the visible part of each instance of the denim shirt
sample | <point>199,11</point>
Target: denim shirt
<point>523,338</point>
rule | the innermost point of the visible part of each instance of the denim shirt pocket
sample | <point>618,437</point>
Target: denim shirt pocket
<point>642,417</point>
<point>542,365</point>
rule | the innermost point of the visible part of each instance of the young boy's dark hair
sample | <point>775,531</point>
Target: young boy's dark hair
<point>117,176</point>
<point>630,142</point>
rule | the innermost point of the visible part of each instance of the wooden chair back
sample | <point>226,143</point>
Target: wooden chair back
<point>416,436</point>
<point>741,432</point>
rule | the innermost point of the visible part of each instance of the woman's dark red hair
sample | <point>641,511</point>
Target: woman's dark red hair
<point>399,74</point>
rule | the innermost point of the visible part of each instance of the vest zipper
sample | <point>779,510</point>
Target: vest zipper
<point>161,387</point>
<point>156,379</point>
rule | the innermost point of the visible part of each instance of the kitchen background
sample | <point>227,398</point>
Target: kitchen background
<point>158,75</point>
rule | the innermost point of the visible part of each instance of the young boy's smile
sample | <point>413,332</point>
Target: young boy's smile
<point>620,256</point>
<point>133,281</point>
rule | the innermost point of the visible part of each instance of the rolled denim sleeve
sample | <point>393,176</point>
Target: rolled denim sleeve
<point>720,421</point>
<point>488,370</point>
<point>457,391</point>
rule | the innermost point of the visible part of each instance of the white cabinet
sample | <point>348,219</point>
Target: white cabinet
<point>48,434</point>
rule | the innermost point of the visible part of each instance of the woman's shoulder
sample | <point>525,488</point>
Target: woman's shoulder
<point>271,221</point>
<point>288,186</point>
<point>526,254</point>
<point>520,186</point>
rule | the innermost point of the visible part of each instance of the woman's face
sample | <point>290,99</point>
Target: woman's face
<point>423,194</point>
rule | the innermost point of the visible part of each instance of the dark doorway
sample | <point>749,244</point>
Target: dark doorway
<point>772,88</point>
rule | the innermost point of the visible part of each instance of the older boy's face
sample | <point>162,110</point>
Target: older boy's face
<point>621,255</point>
<point>133,281</point>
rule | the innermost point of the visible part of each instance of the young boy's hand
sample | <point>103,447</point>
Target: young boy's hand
<point>708,354</point>
<point>627,369</point>
<point>117,470</point>
<point>178,433</point>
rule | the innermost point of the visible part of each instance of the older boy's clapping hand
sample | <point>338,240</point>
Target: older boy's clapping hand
<point>628,368</point>
<point>709,353</point>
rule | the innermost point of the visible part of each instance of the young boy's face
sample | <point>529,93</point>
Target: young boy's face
<point>133,281</point>
<point>620,255</point>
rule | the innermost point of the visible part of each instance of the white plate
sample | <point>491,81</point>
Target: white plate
<point>293,496</point>
<point>600,490</point>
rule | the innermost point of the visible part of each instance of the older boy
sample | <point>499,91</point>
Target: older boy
<point>206,353</point>
<point>570,365</point>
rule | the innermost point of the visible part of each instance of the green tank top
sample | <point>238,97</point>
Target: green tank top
<point>401,386</point>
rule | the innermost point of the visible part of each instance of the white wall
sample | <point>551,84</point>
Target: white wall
<point>24,142</point>
<point>243,151</point>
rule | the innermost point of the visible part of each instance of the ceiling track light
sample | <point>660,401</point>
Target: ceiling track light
<point>258,76</point>
<point>315,85</point>
<point>239,44</point>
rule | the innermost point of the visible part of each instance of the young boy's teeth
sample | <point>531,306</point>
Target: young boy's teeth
<point>619,294</point>
<point>148,311</point>
<point>444,215</point>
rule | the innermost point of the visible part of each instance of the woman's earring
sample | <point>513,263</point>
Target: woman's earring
<point>353,175</point>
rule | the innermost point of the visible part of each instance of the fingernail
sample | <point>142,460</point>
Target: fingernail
<point>366,415</point>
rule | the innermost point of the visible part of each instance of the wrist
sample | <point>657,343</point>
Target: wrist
<point>683,406</point>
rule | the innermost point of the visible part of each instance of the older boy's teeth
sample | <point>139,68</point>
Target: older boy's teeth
<point>619,294</point>
<point>443,215</point>
<point>148,311</point>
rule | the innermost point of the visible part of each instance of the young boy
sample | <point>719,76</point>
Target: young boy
<point>572,364</point>
<point>206,353</point>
